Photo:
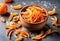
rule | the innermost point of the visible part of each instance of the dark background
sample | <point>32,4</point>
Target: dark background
<point>48,4</point>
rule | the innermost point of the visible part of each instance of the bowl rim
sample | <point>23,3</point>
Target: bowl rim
<point>37,22</point>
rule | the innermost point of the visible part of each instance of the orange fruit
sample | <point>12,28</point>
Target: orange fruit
<point>3,9</point>
<point>7,1</point>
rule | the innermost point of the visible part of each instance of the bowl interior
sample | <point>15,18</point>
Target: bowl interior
<point>45,11</point>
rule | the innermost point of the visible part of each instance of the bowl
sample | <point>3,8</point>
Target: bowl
<point>33,26</point>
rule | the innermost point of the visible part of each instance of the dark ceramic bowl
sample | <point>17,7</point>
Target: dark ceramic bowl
<point>33,26</point>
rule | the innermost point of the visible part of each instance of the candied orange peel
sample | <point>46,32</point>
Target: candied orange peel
<point>7,27</point>
<point>43,35</point>
<point>12,23</point>
<point>38,37</point>
<point>9,33</point>
<point>10,30</point>
<point>54,21</point>
<point>20,38</point>
<point>12,27</point>
<point>16,7</point>
<point>12,14</point>
<point>16,18</point>
<point>48,32</point>
<point>22,34</point>
<point>53,11</point>
<point>33,14</point>
<point>2,19</point>
<point>18,24</point>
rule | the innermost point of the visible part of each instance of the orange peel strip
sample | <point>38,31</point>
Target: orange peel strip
<point>2,19</point>
<point>8,31</point>
<point>53,11</point>
<point>12,14</point>
<point>48,32</point>
<point>54,21</point>
<point>16,18</point>
<point>38,37</point>
<point>16,7</point>
<point>22,34</point>
<point>9,36</point>
<point>7,27</point>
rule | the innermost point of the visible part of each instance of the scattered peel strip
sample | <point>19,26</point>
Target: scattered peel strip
<point>42,35</point>
<point>38,37</point>
<point>19,24</point>
<point>10,33</point>
<point>15,26</point>
<point>2,19</point>
<point>17,32</point>
<point>48,32</point>
<point>16,18</point>
<point>12,14</point>
<point>54,21</point>
<point>7,26</point>
<point>12,23</point>
<point>25,34</point>
<point>16,7</point>
<point>19,38</point>
<point>22,34</point>
<point>11,28</point>
<point>53,11</point>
